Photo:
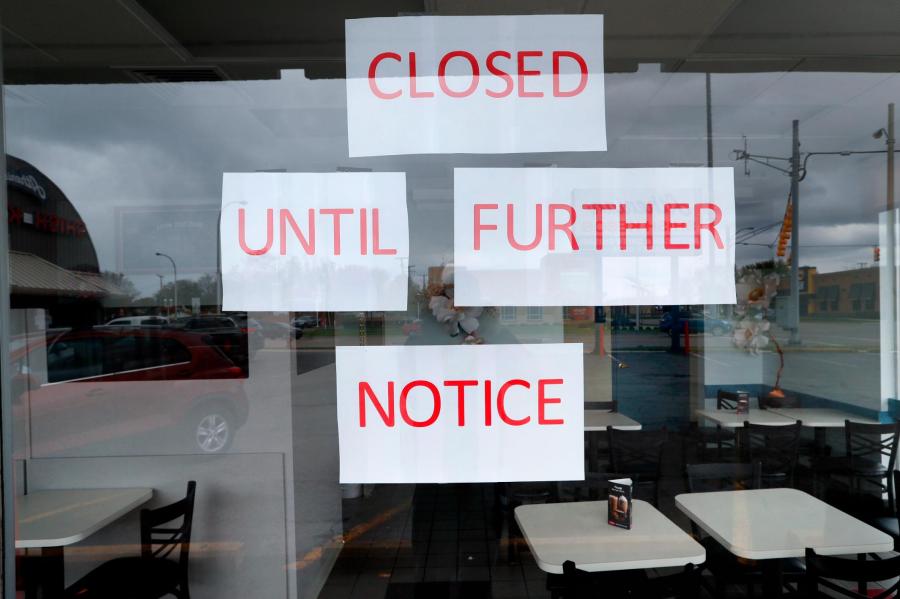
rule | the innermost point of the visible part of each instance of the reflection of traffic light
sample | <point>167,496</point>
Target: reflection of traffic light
<point>876,254</point>
<point>785,233</point>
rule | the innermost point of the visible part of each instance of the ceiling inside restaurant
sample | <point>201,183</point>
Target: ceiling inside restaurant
<point>110,41</point>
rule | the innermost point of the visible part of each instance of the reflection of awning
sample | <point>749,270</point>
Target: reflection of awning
<point>30,274</point>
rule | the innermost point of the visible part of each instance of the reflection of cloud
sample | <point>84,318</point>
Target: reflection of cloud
<point>120,145</point>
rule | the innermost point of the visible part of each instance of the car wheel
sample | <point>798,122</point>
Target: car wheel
<point>718,331</point>
<point>213,430</point>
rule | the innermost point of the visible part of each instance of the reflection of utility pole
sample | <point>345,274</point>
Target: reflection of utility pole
<point>794,305</point>
<point>174,279</point>
<point>160,286</point>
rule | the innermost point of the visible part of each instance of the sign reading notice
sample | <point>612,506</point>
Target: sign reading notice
<point>314,241</point>
<point>460,413</point>
<point>487,84</point>
<point>596,237</point>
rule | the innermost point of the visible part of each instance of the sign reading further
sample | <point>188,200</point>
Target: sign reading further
<point>606,237</point>
<point>461,413</point>
<point>314,241</point>
<point>491,84</point>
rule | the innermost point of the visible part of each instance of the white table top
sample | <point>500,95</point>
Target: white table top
<point>556,532</point>
<point>598,420</point>
<point>821,417</point>
<point>62,517</point>
<point>731,419</point>
<point>779,523</point>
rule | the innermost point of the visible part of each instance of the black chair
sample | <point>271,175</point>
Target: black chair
<point>159,571</point>
<point>890,524</point>
<point>866,447</point>
<point>638,454</point>
<point>512,495</point>
<point>578,584</point>
<point>595,486</point>
<point>777,447</point>
<point>723,476</point>
<point>822,571</point>
<point>609,406</point>
<point>722,438</point>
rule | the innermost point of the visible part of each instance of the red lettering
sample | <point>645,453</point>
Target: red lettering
<point>598,220</point>
<point>15,216</point>
<point>538,228</point>
<point>624,225</point>
<point>461,398</point>
<point>711,227</point>
<point>363,233</point>
<point>373,66</point>
<point>543,400</point>
<point>386,417</point>
<point>442,71</point>
<point>479,227</point>
<point>501,407</point>
<point>668,225</point>
<point>309,245</point>
<point>242,240</point>
<point>336,214</point>
<point>520,61</point>
<point>413,91</point>
<point>499,73</point>
<point>435,395</point>
<point>566,227</point>
<point>582,66</point>
<point>487,403</point>
<point>376,237</point>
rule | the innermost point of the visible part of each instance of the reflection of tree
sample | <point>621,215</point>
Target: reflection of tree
<point>204,288</point>
<point>125,287</point>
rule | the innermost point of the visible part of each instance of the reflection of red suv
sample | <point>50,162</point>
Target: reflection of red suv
<point>109,385</point>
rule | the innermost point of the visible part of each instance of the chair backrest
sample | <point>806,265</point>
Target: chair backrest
<point>594,486</point>
<point>823,571</point>
<point>636,451</point>
<point>776,446</point>
<point>609,406</point>
<point>160,538</point>
<point>578,584</point>
<point>726,400</point>
<point>724,476</point>
<point>871,443</point>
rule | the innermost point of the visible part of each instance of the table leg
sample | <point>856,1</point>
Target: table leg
<point>773,581</point>
<point>52,572</point>
<point>593,448</point>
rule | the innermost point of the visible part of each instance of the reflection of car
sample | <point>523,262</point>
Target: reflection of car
<point>224,333</point>
<point>138,321</point>
<point>698,322</point>
<point>623,321</point>
<point>251,328</point>
<point>306,321</point>
<point>279,330</point>
<point>104,384</point>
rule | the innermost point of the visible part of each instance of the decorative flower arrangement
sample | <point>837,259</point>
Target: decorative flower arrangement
<point>757,285</point>
<point>455,320</point>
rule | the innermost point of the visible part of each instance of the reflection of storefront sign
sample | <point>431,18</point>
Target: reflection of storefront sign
<point>27,182</point>
<point>314,241</point>
<point>594,236</point>
<point>460,413</point>
<point>490,84</point>
<point>46,221</point>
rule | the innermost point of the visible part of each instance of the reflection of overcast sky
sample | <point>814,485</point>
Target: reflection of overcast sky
<point>120,146</point>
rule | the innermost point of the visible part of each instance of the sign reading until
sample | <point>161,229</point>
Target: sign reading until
<point>314,241</point>
<point>489,84</point>
<point>460,413</point>
<point>550,237</point>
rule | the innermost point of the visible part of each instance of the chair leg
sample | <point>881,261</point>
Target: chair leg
<point>861,585</point>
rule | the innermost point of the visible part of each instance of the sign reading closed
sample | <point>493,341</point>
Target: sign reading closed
<point>490,84</point>
<point>462,413</point>
<point>550,237</point>
<point>314,241</point>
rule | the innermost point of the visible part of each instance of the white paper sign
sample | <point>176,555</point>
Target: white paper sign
<point>460,413</point>
<point>314,241</point>
<point>486,84</point>
<point>596,237</point>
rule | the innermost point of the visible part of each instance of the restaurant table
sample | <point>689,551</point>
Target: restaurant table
<point>50,520</point>
<point>772,524</point>
<point>820,419</point>
<point>599,420</point>
<point>556,532</point>
<point>731,419</point>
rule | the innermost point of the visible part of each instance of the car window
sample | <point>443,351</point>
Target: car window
<point>122,354</point>
<point>70,359</point>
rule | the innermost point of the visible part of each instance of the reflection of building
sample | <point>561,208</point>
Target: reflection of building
<point>53,264</point>
<point>846,293</point>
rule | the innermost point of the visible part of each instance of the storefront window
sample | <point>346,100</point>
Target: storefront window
<point>435,303</point>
